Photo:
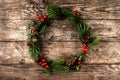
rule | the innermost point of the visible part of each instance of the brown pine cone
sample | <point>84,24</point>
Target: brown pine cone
<point>33,30</point>
<point>86,39</point>
<point>70,61</point>
<point>30,43</point>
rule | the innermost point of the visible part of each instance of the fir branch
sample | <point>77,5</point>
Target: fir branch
<point>53,11</point>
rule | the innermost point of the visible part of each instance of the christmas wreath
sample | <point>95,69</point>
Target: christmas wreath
<point>39,26</point>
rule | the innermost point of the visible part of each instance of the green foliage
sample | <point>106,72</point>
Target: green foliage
<point>43,30</point>
<point>94,40</point>
<point>35,50</point>
<point>83,30</point>
<point>28,25</point>
<point>47,70</point>
<point>66,12</point>
<point>58,66</point>
<point>53,11</point>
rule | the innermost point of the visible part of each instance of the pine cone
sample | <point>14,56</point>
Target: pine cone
<point>33,30</point>
<point>86,39</point>
<point>30,43</point>
<point>70,61</point>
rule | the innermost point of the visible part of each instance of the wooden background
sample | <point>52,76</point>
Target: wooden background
<point>102,64</point>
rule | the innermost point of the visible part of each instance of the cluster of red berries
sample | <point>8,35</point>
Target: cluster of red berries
<point>41,17</point>
<point>74,12</point>
<point>42,62</point>
<point>85,49</point>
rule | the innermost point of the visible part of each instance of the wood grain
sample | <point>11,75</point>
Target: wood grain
<point>107,30</point>
<point>17,52</point>
<point>8,4</point>
<point>88,9</point>
<point>83,1</point>
<point>88,72</point>
<point>14,52</point>
<point>14,4</point>
<point>102,64</point>
<point>105,52</point>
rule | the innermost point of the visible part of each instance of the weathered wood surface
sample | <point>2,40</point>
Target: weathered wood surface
<point>17,52</point>
<point>32,71</point>
<point>102,64</point>
<point>107,30</point>
<point>94,9</point>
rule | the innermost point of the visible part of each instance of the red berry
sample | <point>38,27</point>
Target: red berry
<point>37,19</point>
<point>45,63</point>
<point>74,12</point>
<point>47,67</point>
<point>84,46</point>
<point>83,51</point>
<point>36,59</point>
<point>45,17</point>
<point>40,15</point>
<point>86,50</point>
<point>79,62</point>
<point>43,60</point>
<point>42,64</point>
<point>42,20</point>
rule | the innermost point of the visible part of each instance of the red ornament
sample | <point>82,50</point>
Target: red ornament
<point>47,67</point>
<point>79,62</point>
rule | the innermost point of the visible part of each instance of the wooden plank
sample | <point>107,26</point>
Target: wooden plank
<point>9,1</point>
<point>13,35</point>
<point>101,12</point>
<point>32,71</point>
<point>88,9</point>
<point>97,10</point>
<point>14,52</point>
<point>82,1</point>
<point>105,52</point>
<point>15,30</point>
<point>17,52</point>
<point>14,4</point>
<point>13,25</point>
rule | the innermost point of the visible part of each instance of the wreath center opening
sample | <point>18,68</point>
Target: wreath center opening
<point>60,42</point>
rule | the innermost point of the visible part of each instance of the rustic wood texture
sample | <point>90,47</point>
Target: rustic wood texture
<point>102,64</point>
<point>107,30</point>
<point>33,71</point>
<point>17,52</point>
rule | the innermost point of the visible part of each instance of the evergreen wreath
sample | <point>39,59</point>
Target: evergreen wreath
<point>39,27</point>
